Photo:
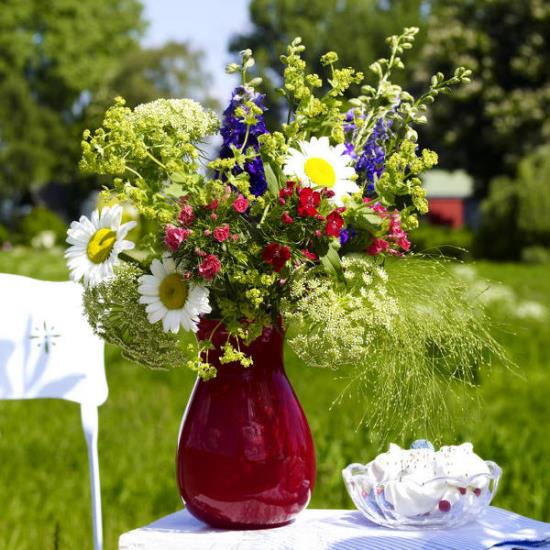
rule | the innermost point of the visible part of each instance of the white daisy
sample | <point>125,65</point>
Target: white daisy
<point>318,164</point>
<point>172,299</point>
<point>96,244</point>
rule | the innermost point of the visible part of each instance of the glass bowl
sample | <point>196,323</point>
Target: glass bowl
<point>445,501</point>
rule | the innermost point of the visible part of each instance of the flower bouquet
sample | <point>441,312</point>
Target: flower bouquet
<point>298,230</point>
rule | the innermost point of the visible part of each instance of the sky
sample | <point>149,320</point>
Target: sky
<point>207,25</point>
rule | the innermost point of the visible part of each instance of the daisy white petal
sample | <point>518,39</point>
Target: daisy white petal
<point>169,298</point>
<point>318,164</point>
<point>95,245</point>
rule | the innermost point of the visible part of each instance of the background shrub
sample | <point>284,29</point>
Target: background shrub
<point>441,240</point>
<point>4,234</point>
<point>41,222</point>
<point>516,214</point>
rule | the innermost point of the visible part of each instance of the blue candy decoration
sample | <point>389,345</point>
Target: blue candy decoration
<point>422,444</point>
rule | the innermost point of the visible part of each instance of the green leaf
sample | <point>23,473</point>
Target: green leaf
<point>273,182</point>
<point>179,177</point>
<point>365,218</point>
<point>331,262</point>
<point>173,189</point>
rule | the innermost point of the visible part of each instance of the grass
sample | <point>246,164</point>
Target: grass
<point>44,490</point>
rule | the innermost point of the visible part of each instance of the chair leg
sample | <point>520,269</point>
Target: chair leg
<point>90,426</point>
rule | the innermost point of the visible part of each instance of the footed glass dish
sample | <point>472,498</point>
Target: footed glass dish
<point>438,503</point>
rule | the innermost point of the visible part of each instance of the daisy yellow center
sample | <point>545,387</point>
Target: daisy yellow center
<point>173,291</point>
<point>101,245</point>
<point>320,172</point>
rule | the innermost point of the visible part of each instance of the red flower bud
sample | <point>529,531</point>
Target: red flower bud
<point>377,246</point>
<point>309,255</point>
<point>335,222</point>
<point>174,236</point>
<point>287,218</point>
<point>186,216</point>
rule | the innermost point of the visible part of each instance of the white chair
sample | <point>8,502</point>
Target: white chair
<point>47,349</point>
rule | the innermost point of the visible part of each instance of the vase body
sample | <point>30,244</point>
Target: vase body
<point>245,455</point>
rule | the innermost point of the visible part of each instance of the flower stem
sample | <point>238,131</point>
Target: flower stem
<point>131,260</point>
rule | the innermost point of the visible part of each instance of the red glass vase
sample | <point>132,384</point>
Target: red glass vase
<point>245,456</point>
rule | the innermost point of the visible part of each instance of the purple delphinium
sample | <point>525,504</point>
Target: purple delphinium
<point>233,132</point>
<point>372,159</point>
<point>350,150</point>
<point>349,121</point>
<point>347,234</point>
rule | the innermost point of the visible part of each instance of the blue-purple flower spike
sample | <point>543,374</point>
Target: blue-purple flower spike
<point>372,159</point>
<point>233,132</point>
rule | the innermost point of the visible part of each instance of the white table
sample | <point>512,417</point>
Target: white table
<point>334,530</point>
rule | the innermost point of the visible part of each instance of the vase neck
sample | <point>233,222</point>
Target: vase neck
<point>266,351</point>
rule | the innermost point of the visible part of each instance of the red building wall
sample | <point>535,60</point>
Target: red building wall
<point>447,211</point>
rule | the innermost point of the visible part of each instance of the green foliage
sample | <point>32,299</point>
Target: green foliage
<point>45,71</point>
<point>504,113</point>
<point>516,214</point>
<point>356,29</point>
<point>172,70</point>
<point>61,65</point>
<point>310,114</point>
<point>40,220</point>
<point>535,255</point>
<point>401,181</point>
<point>439,240</point>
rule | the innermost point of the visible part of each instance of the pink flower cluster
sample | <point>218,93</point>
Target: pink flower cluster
<point>396,241</point>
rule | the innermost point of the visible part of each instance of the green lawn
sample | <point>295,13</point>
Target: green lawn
<point>44,491</point>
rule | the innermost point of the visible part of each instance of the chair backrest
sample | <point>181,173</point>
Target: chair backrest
<point>47,348</point>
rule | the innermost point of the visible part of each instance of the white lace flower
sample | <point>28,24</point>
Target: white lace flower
<point>170,298</point>
<point>318,164</point>
<point>96,244</point>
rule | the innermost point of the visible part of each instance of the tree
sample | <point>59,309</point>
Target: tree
<point>171,70</point>
<point>53,55</point>
<point>356,29</point>
<point>62,63</point>
<point>505,113</point>
<point>516,213</point>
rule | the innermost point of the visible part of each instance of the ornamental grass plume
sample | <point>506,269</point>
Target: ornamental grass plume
<point>408,337</point>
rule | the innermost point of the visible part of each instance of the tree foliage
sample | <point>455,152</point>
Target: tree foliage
<point>52,54</point>
<point>61,63</point>
<point>173,70</point>
<point>516,214</point>
<point>505,113</point>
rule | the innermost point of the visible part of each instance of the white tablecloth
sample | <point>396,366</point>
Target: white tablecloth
<point>337,530</point>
